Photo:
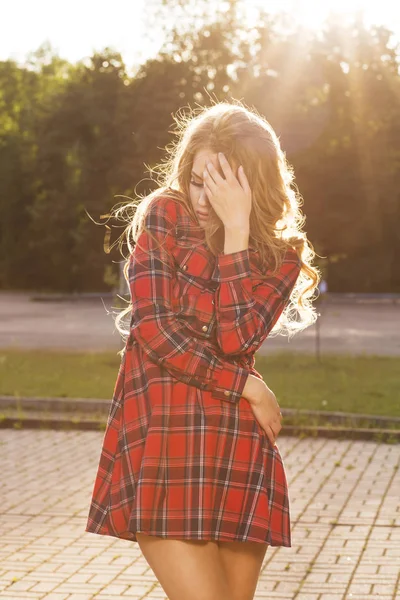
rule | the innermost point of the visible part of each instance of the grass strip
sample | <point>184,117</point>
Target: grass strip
<point>354,384</point>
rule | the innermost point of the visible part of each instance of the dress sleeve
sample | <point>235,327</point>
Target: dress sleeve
<point>246,315</point>
<point>154,325</point>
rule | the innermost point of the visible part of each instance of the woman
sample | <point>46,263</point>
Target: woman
<point>189,466</point>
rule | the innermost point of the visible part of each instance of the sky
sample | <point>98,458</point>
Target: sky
<point>77,28</point>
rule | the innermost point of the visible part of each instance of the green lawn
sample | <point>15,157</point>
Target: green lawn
<point>365,384</point>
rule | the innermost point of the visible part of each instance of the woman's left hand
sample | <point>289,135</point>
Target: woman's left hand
<point>231,197</point>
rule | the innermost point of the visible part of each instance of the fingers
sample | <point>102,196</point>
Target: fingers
<point>243,180</point>
<point>276,427</point>
<point>272,430</point>
<point>271,435</point>
<point>212,176</point>
<point>208,182</point>
<point>225,166</point>
<point>207,189</point>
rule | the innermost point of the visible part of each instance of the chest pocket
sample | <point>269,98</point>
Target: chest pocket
<point>193,289</point>
<point>194,264</point>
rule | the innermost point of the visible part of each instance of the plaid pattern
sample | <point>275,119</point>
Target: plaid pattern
<point>248,309</point>
<point>183,455</point>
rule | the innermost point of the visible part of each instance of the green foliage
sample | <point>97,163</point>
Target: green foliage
<point>72,137</point>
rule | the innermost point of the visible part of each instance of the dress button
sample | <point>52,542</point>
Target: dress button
<point>184,267</point>
<point>204,328</point>
<point>227,393</point>
<point>212,301</point>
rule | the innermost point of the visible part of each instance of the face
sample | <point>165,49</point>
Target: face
<point>198,195</point>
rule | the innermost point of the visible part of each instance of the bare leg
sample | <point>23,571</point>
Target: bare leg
<point>242,562</point>
<point>186,569</point>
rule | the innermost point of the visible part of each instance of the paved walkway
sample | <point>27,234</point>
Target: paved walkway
<point>345,510</point>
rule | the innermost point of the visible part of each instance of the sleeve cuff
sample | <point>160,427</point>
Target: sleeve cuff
<point>229,383</point>
<point>229,267</point>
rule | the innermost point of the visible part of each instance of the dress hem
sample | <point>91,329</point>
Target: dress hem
<point>131,537</point>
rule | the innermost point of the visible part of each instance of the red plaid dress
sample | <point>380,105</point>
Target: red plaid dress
<point>183,455</point>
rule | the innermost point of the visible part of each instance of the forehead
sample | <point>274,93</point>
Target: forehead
<point>203,156</point>
<point>200,160</point>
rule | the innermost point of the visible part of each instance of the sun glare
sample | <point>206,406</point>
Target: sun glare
<point>312,14</point>
<point>124,29</point>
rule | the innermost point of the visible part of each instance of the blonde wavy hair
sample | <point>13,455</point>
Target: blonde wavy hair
<point>276,220</point>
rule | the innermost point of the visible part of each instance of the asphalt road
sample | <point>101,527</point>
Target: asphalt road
<point>354,326</point>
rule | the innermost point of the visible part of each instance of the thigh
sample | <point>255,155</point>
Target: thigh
<point>242,562</point>
<point>186,569</point>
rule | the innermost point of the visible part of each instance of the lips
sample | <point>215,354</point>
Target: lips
<point>202,215</point>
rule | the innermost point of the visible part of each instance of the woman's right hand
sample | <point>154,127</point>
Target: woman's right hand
<point>264,405</point>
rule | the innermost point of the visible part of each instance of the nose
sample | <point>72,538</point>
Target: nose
<point>203,200</point>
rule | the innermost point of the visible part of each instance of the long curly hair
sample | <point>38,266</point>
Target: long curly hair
<point>276,220</point>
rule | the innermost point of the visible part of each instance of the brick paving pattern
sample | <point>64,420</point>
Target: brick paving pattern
<point>345,507</point>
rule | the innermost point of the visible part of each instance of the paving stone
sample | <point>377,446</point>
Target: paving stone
<point>80,597</point>
<point>360,588</point>
<point>384,588</point>
<point>139,590</point>
<point>388,569</point>
<point>363,597</point>
<point>43,586</point>
<point>339,577</point>
<point>55,596</point>
<point>341,524</point>
<point>115,589</point>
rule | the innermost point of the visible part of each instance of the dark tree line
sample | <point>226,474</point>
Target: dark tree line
<point>74,136</point>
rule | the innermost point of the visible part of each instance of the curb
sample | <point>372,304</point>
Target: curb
<point>53,422</point>
<point>61,422</point>
<point>62,404</point>
<point>89,414</point>
<point>350,419</point>
<point>391,436</point>
<point>326,297</point>
<point>71,297</point>
<point>102,406</point>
